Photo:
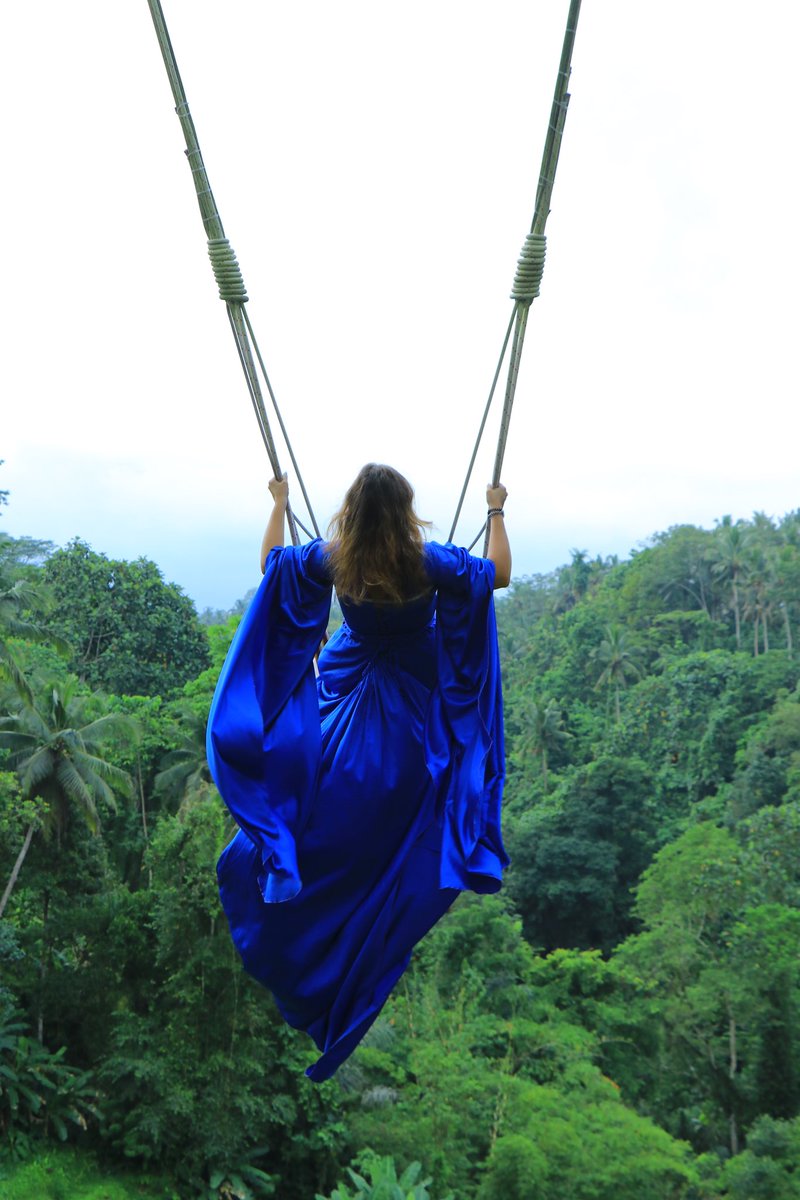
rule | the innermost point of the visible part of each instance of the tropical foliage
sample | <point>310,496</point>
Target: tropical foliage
<point>622,1021</point>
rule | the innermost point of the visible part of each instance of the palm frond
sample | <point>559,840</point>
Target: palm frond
<point>71,780</point>
<point>97,783</point>
<point>110,723</point>
<point>108,773</point>
<point>36,768</point>
<point>172,778</point>
<point>13,738</point>
<point>30,719</point>
<point>11,668</point>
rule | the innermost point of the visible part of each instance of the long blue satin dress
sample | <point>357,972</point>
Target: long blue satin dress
<point>366,798</point>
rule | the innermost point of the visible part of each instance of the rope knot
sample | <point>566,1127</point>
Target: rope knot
<point>226,271</point>
<point>530,267</point>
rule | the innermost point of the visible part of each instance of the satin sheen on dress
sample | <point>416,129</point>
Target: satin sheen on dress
<point>366,798</point>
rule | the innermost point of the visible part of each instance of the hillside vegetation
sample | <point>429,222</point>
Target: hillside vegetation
<point>622,1021</point>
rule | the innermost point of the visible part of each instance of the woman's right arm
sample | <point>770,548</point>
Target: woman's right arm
<point>499,550</point>
<point>273,534</point>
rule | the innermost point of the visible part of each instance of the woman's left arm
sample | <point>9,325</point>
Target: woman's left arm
<point>273,534</point>
<point>499,550</point>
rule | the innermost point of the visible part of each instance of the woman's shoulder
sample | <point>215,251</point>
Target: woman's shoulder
<point>316,560</point>
<point>311,558</point>
<point>452,567</point>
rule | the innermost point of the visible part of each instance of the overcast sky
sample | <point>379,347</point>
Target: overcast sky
<point>375,168</point>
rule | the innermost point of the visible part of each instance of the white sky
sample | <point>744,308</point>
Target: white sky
<point>375,168</point>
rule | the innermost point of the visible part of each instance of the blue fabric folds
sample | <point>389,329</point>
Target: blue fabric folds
<point>464,731</point>
<point>366,797</point>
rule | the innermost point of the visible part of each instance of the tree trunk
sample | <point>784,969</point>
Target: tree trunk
<point>788,625</point>
<point>499,1113</point>
<point>544,769</point>
<point>17,867</point>
<point>755,637</point>
<point>141,797</point>
<point>765,627</point>
<point>43,965</point>
<point>736,615</point>
<point>703,600</point>
<point>733,1064</point>
<point>235,1014</point>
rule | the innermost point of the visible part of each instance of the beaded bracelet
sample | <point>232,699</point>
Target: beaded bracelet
<point>494,512</point>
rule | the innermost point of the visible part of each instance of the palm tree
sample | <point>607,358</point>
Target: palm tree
<point>730,552</point>
<point>20,602</point>
<point>763,527</point>
<point>785,569</point>
<point>573,581</point>
<point>15,599</point>
<point>184,770</point>
<point>763,589</point>
<point>57,756</point>
<point>758,604</point>
<point>542,732</point>
<point>618,658</point>
<point>681,568</point>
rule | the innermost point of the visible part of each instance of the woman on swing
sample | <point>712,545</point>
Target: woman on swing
<point>368,798</point>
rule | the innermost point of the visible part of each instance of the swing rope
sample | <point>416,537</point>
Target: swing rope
<point>229,278</point>
<point>530,267</point>
<point>525,289</point>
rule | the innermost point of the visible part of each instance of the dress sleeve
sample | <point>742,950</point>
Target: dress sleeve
<point>263,741</point>
<point>464,726</point>
<point>315,562</point>
<point>452,569</point>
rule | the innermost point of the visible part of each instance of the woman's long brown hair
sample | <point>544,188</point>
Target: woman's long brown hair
<point>376,545</point>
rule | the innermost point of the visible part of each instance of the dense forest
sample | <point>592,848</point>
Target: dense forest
<point>621,1022</point>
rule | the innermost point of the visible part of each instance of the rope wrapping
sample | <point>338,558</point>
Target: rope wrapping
<point>530,268</point>
<point>228,276</point>
<point>530,265</point>
<point>226,271</point>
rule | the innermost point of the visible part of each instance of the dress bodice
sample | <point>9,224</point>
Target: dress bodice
<point>384,620</point>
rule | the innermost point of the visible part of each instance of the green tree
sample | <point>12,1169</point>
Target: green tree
<point>673,572</point>
<point>203,1076</point>
<point>574,580</point>
<point>56,748</point>
<point>758,602</point>
<point>576,859</point>
<point>184,770</point>
<point>20,600</point>
<point>580,1141</point>
<point>131,632</point>
<point>767,762</point>
<point>770,848</point>
<point>767,1169</point>
<point>786,573</point>
<point>617,656</point>
<point>483,1065</point>
<point>19,820</point>
<point>377,1179</point>
<point>718,961</point>
<point>729,557</point>
<point>542,733</point>
<point>39,1091</point>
